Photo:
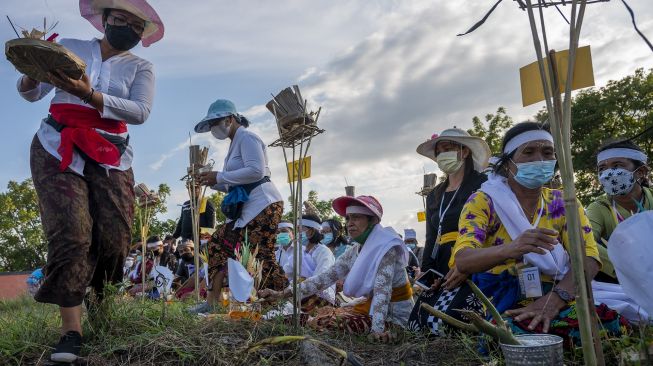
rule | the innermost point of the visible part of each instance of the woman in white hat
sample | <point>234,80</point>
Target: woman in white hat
<point>81,158</point>
<point>623,173</point>
<point>374,267</point>
<point>462,158</point>
<point>253,205</point>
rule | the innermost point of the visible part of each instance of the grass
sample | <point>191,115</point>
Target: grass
<point>125,331</point>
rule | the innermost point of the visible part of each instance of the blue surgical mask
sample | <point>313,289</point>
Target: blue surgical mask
<point>411,246</point>
<point>304,239</point>
<point>535,174</point>
<point>328,238</point>
<point>283,239</point>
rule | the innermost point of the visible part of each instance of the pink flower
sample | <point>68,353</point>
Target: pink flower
<point>434,136</point>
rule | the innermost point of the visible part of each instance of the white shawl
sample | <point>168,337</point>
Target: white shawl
<point>630,250</point>
<point>360,280</point>
<point>554,263</point>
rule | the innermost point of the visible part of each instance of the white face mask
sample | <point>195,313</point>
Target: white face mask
<point>221,130</point>
<point>448,161</point>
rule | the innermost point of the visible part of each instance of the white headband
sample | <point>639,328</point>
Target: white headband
<point>359,210</point>
<point>526,137</point>
<point>312,224</point>
<point>621,153</point>
<point>154,244</point>
<point>285,225</point>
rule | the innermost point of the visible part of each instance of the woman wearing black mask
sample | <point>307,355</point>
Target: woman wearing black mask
<point>81,158</point>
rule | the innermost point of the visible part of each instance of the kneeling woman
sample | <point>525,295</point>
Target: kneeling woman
<point>373,267</point>
<point>514,226</point>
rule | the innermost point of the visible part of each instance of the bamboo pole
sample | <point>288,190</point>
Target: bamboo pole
<point>144,229</point>
<point>560,121</point>
<point>571,204</point>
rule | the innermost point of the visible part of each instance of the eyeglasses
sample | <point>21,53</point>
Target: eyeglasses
<point>119,21</point>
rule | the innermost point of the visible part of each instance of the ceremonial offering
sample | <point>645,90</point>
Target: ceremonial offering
<point>37,57</point>
<point>144,196</point>
<point>288,107</point>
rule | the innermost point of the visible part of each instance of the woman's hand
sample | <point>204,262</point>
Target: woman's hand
<point>537,240</point>
<point>542,310</point>
<point>453,279</point>
<point>209,178</point>
<point>27,84</point>
<point>272,295</point>
<point>383,337</point>
<point>80,88</point>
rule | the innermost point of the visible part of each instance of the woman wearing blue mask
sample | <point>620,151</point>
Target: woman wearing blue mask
<point>285,238</point>
<point>316,259</point>
<point>333,237</point>
<point>513,240</point>
<point>623,173</point>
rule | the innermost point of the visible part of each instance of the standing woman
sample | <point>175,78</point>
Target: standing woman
<point>81,159</point>
<point>462,158</point>
<point>246,178</point>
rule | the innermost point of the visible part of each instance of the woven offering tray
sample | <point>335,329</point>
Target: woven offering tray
<point>36,57</point>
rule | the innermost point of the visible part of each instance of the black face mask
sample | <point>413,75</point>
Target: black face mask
<point>187,257</point>
<point>122,38</point>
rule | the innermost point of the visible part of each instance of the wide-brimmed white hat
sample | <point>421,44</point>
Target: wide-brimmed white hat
<point>93,10</point>
<point>479,148</point>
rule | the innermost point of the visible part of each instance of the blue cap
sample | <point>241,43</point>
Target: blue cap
<point>219,109</point>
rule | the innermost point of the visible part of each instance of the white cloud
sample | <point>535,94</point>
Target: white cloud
<point>387,74</point>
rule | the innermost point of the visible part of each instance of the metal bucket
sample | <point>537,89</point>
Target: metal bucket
<point>535,349</point>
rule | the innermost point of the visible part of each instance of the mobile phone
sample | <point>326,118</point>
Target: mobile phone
<point>426,280</point>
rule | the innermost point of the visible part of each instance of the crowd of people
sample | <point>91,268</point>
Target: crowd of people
<point>501,225</point>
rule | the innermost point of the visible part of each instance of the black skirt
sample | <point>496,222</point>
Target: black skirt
<point>462,298</point>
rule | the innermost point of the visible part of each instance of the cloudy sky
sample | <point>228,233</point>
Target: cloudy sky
<point>387,75</point>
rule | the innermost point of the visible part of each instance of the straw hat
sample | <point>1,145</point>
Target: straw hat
<point>93,10</point>
<point>480,149</point>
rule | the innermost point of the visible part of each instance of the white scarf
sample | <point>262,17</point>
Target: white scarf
<point>308,265</point>
<point>629,249</point>
<point>360,280</point>
<point>554,263</point>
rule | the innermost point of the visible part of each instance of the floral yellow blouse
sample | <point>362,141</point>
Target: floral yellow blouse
<point>479,226</point>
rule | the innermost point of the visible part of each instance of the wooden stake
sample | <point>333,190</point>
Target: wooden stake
<point>560,121</point>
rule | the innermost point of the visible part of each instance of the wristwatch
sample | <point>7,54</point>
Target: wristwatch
<point>564,295</point>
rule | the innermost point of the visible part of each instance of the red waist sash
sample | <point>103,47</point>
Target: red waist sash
<point>80,132</point>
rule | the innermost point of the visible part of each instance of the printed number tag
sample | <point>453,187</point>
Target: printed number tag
<point>529,278</point>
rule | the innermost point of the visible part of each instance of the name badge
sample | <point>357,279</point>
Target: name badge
<point>530,282</point>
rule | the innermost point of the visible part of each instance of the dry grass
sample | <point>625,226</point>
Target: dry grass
<point>127,332</point>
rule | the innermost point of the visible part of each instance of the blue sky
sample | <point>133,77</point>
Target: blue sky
<point>388,74</point>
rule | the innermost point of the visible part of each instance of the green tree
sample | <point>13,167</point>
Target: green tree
<point>496,123</point>
<point>324,208</point>
<point>22,243</point>
<point>619,110</point>
<point>158,226</point>
<point>216,198</point>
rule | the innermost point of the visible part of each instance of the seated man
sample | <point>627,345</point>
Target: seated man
<point>154,247</point>
<point>184,283</point>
